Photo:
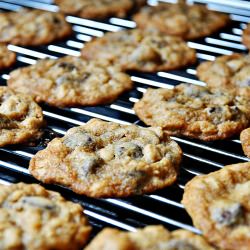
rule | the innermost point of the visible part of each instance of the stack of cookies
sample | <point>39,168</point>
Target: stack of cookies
<point>106,159</point>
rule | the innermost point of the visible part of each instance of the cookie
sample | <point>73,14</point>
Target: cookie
<point>148,238</point>
<point>34,218</point>
<point>105,159</point>
<point>99,9</point>
<point>141,51</point>
<point>186,21</point>
<point>71,81</point>
<point>246,36</point>
<point>194,111</point>
<point>227,73</point>
<point>245,141</point>
<point>7,57</point>
<point>220,207</point>
<point>21,119</point>
<point>32,27</point>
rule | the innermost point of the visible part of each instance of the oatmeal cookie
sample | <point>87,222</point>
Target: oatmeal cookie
<point>34,218</point>
<point>219,205</point>
<point>21,118</point>
<point>148,238</point>
<point>71,81</point>
<point>186,21</point>
<point>32,27</point>
<point>7,57</point>
<point>229,73</point>
<point>99,9</point>
<point>105,159</point>
<point>246,36</point>
<point>245,141</point>
<point>194,111</point>
<point>141,51</point>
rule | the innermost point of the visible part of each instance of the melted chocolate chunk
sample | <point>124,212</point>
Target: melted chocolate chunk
<point>129,149</point>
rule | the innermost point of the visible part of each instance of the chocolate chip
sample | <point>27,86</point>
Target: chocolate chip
<point>83,77</point>
<point>56,20</point>
<point>227,215</point>
<point>214,110</point>
<point>128,149</point>
<point>211,110</point>
<point>67,66</point>
<point>234,108</point>
<point>177,244</point>
<point>137,152</point>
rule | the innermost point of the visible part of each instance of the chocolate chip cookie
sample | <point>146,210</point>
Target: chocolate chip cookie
<point>246,36</point>
<point>105,159</point>
<point>219,205</point>
<point>194,111</point>
<point>148,238</point>
<point>34,218</point>
<point>245,141</point>
<point>32,27</point>
<point>141,51</point>
<point>186,21</point>
<point>99,9</point>
<point>21,118</point>
<point>227,73</point>
<point>71,81</point>
<point>7,57</point>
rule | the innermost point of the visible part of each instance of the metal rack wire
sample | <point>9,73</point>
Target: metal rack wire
<point>161,207</point>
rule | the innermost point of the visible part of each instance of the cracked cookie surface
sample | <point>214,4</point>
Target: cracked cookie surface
<point>148,238</point>
<point>229,73</point>
<point>32,27</point>
<point>21,119</point>
<point>7,57</point>
<point>186,21</point>
<point>34,218</point>
<point>99,9</point>
<point>219,205</point>
<point>71,81</point>
<point>245,141</point>
<point>246,36</point>
<point>105,159</point>
<point>141,51</point>
<point>194,111</point>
